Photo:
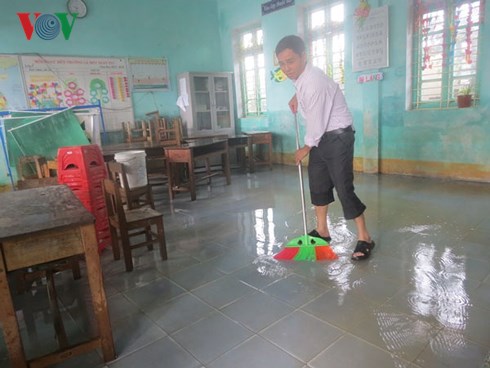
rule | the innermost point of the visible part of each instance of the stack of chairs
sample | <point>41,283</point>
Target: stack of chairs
<point>82,169</point>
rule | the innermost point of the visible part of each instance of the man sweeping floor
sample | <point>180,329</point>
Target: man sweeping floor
<point>329,142</point>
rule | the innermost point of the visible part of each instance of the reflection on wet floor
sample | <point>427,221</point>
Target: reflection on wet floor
<point>221,300</point>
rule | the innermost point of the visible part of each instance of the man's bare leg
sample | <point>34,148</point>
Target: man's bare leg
<point>321,220</point>
<point>362,232</point>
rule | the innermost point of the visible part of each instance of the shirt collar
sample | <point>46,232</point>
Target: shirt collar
<point>302,76</point>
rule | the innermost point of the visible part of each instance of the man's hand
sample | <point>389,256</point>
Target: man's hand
<point>301,153</point>
<point>293,104</point>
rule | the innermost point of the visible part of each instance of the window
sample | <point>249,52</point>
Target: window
<point>252,71</point>
<point>445,51</point>
<point>325,38</point>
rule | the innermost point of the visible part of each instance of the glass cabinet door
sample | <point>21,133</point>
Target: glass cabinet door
<point>202,98</point>
<point>210,96</point>
<point>221,95</point>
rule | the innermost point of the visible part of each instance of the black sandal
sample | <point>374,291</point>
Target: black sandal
<point>315,234</point>
<point>362,247</point>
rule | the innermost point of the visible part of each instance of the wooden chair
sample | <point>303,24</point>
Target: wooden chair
<point>156,166</point>
<point>169,133</point>
<point>131,197</point>
<point>126,224</point>
<point>140,132</point>
<point>37,165</point>
<point>153,117</point>
<point>26,277</point>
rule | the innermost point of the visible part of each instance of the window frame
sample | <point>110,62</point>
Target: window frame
<point>328,31</point>
<point>256,51</point>
<point>448,77</point>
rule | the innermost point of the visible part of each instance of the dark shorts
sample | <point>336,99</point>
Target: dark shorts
<point>331,166</point>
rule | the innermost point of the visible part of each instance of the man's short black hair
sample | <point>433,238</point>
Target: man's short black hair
<point>292,42</point>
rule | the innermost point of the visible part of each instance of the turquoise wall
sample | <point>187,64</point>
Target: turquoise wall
<point>183,31</point>
<point>186,32</point>
<point>448,143</point>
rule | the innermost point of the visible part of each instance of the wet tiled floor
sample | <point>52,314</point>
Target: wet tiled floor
<point>222,301</point>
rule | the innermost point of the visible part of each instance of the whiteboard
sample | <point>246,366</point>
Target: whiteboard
<point>370,41</point>
<point>61,81</point>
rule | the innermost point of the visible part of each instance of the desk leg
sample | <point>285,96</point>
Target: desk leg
<point>171,177</point>
<point>9,320</point>
<point>269,153</point>
<point>251,159</point>
<point>241,156</point>
<point>192,177</point>
<point>99,301</point>
<point>225,159</point>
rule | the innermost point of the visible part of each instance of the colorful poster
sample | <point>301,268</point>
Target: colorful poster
<point>57,81</point>
<point>149,74</point>
<point>12,95</point>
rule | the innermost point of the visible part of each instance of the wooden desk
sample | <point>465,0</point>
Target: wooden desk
<point>259,138</point>
<point>235,142</point>
<point>156,157</point>
<point>152,149</point>
<point>42,225</point>
<point>200,137</point>
<point>199,149</point>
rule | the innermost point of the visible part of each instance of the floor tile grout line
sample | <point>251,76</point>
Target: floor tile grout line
<point>256,335</point>
<point>124,356</point>
<point>367,342</point>
<point>327,347</point>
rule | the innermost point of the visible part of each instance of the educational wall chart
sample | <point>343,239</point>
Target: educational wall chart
<point>370,38</point>
<point>58,81</point>
<point>149,74</point>
<point>12,96</point>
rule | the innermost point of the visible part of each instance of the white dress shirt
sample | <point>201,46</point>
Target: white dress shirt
<point>321,103</point>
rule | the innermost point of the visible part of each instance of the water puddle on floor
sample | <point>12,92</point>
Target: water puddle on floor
<point>267,266</point>
<point>439,290</point>
<point>436,275</point>
<point>420,229</point>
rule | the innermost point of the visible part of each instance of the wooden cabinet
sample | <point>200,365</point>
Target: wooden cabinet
<point>209,100</point>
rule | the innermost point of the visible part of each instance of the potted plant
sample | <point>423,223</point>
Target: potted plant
<point>465,96</point>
